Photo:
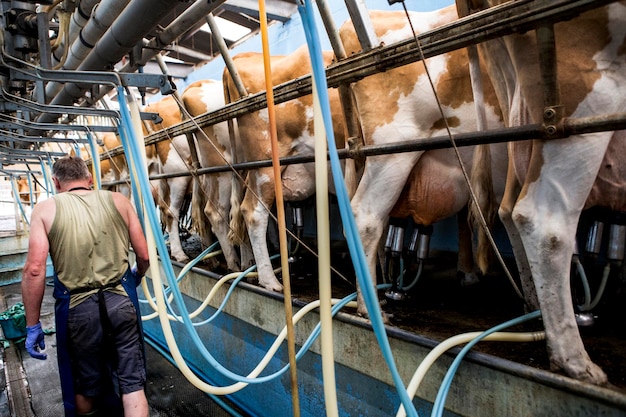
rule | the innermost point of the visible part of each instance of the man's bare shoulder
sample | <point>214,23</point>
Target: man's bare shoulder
<point>119,198</point>
<point>44,211</point>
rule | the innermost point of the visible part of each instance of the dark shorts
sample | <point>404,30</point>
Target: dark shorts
<point>92,362</point>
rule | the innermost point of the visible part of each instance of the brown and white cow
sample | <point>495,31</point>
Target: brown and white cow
<point>552,181</point>
<point>399,105</point>
<point>112,169</point>
<point>169,156</point>
<point>212,192</point>
<point>294,121</point>
<point>25,192</point>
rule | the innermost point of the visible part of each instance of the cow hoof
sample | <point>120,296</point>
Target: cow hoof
<point>594,375</point>
<point>272,286</point>
<point>585,371</point>
<point>468,279</point>
<point>386,317</point>
<point>181,259</point>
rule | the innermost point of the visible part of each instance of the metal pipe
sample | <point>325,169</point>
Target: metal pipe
<point>234,75</point>
<point>518,16</point>
<point>553,110</point>
<point>331,29</point>
<point>345,93</point>
<point>138,18</point>
<point>103,17</point>
<point>362,24</point>
<point>228,60</point>
<point>198,10</point>
<point>171,33</point>
<point>77,22</point>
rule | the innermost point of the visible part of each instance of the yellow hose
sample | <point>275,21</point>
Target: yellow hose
<point>150,299</point>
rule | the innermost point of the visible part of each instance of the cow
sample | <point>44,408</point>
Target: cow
<point>550,182</point>
<point>212,192</point>
<point>294,120</point>
<point>399,105</point>
<point>169,156</point>
<point>24,190</point>
<point>112,169</point>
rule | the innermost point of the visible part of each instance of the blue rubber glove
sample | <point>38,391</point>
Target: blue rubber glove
<point>35,341</point>
<point>136,277</point>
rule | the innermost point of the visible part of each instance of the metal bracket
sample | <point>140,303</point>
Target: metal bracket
<point>153,117</point>
<point>553,122</point>
<point>143,80</point>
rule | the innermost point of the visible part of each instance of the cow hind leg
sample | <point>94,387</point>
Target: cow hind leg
<point>218,216</point>
<point>550,245</point>
<point>177,196</point>
<point>256,219</point>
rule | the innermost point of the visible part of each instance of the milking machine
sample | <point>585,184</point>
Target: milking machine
<point>297,227</point>
<point>601,248</point>
<point>418,249</point>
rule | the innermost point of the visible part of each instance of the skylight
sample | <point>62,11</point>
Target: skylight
<point>230,30</point>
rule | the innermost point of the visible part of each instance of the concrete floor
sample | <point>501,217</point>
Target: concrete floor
<point>31,388</point>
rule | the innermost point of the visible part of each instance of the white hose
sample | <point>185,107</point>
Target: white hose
<point>182,365</point>
<point>323,247</point>
<point>460,339</point>
<point>206,301</point>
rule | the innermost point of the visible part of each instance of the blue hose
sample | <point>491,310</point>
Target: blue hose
<point>46,179</point>
<point>128,140</point>
<point>95,159</point>
<point>187,268</point>
<point>351,232</point>
<point>440,400</point>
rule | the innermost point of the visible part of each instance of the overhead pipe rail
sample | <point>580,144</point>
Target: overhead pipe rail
<point>499,21</point>
<point>22,70</point>
<point>168,35</point>
<point>508,18</point>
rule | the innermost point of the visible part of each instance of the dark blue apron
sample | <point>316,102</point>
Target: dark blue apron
<point>61,310</point>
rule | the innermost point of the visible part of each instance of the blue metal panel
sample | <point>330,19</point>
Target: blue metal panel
<point>239,347</point>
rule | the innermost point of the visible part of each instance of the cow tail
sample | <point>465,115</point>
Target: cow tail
<point>482,184</point>
<point>237,233</point>
<point>350,177</point>
<point>198,218</point>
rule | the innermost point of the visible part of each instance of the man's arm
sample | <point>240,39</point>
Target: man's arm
<point>34,273</point>
<point>137,238</point>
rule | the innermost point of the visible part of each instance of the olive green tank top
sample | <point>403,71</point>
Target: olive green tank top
<point>89,243</point>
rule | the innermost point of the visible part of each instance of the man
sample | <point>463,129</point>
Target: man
<point>88,234</point>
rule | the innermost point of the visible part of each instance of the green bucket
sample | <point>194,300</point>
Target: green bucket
<point>13,322</point>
